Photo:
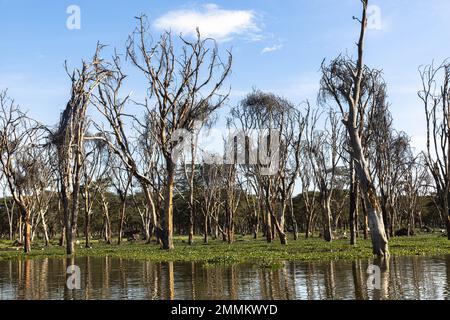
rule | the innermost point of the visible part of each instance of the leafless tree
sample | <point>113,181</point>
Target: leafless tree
<point>121,180</point>
<point>41,185</point>
<point>137,150</point>
<point>211,194</point>
<point>9,206</point>
<point>413,186</point>
<point>267,113</point>
<point>324,150</point>
<point>350,85</point>
<point>190,169</point>
<point>182,89</point>
<point>435,95</point>
<point>249,187</point>
<point>309,189</point>
<point>95,171</point>
<point>69,141</point>
<point>18,134</point>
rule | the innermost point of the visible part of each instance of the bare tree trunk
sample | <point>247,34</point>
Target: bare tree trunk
<point>20,228</point>
<point>365,218</point>
<point>378,233</point>
<point>122,221</point>
<point>10,214</point>
<point>44,227</point>
<point>386,215</point>
<point>191,179</point>
<point>68,230</point>
<point>308,226</point>
<point>87,223</point>
<point>411,223</point>
<point>256,227</point>
<point>376,225</point>
<point>191,224</point>
<point>326,207</point>
<point>353,204</point>
<point>11,232</point>
<point>107,221</point>
<point>448,215</point>
<point>62,224</point>
<point>268,227</point>
<point>294,220</point>
<point>167,234</point>
<point>205,228</point>
<point>62,238</point>
<point>278,227</point>
<point>27,246</point>
<point>229,222</point>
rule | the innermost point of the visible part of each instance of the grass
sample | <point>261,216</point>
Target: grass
<point>244,250</point>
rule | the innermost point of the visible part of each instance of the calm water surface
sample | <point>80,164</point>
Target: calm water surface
<point>108,278</point>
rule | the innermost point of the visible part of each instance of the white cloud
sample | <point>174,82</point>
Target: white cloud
<point>212,21</point>
<point>273,48</point>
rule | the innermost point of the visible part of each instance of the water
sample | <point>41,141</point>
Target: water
<point>108,278</point>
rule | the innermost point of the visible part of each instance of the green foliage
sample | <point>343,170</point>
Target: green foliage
<point>245,250</point>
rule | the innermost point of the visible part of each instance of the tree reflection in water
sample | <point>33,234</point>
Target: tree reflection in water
<point>110,278</point>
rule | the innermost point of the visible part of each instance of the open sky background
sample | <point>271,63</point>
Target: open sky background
<point>277,45</point>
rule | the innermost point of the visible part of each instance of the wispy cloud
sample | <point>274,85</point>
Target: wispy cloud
<point>273,48</point>
<point>212,21</point>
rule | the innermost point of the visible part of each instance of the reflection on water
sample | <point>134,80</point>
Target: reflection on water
<point>108,278</point>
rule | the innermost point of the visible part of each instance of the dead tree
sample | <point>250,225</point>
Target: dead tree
<point>121,180</point>
<point>324,150</point>
<point>18,134</point>
<point>348,84</point>
<point>9,206</point>
<point>249,189</point>
<point>435,95</point>
<point>413,186</point>
<point>290,149</point>
<point>69,141</point>
<point>95,170</point>
<point>232,199</point>
<point>211,191</point>
<point>182,88</point>
<point>41,186</point>
<point>190,170</point>
<point>309,190</point>
<point>134,145</point>
<point>275,159</point>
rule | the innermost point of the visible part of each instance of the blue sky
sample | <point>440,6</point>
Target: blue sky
<point>277,45</point>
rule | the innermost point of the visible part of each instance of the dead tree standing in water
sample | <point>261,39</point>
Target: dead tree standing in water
<point>69,140</point>
<point>182,89</point>
<point>436,98</point>
<point>345,81</point>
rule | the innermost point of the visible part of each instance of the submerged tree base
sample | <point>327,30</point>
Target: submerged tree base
<point>244,250</point>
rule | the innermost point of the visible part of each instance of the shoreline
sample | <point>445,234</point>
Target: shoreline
<point>244,250</point>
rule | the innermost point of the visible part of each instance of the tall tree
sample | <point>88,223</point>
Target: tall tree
<point>348,83</point>
<point>18,136</point>
<point>435,95</point>
<point>183,88</point>
<point>69,141</point>
<point>281,127</point>
<point>324,150</point>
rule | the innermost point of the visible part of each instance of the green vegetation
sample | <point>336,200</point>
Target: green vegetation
<point>245,250</point>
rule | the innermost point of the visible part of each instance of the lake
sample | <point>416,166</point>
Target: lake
<point>113,278</point>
